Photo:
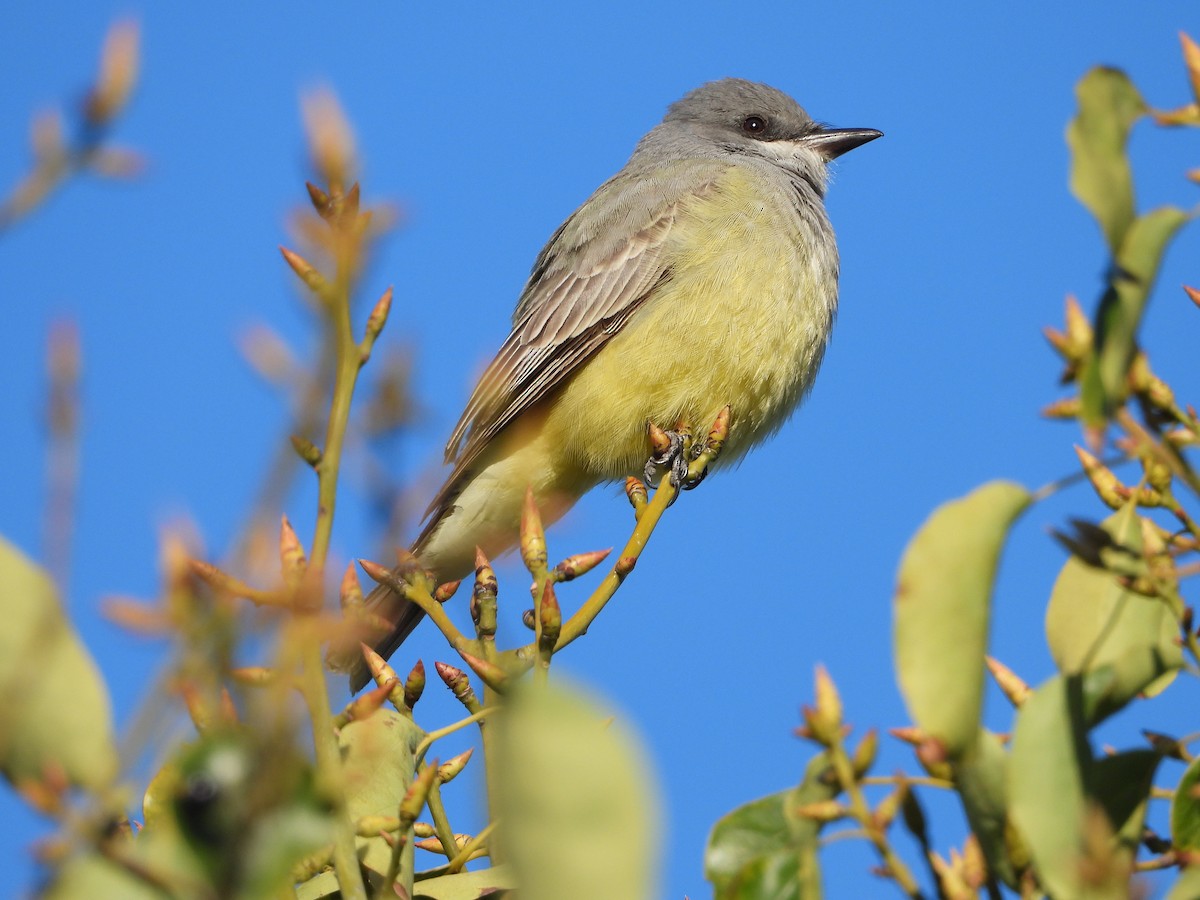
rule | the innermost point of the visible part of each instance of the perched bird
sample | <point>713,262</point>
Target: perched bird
<point>703,274</point>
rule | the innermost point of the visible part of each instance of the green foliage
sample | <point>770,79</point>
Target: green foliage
<point>580,816</point>
<point>1102,179</point>
<point>942,610</point>
<point>55,718</point>
<point>1185,809</point>
<point>766,848</point>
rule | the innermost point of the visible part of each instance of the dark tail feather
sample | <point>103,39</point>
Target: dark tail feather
<point>405,615</point>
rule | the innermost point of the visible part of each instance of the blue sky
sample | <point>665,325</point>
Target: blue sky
<point>488,124</point>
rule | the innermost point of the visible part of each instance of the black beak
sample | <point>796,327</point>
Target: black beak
<point>833,142</point>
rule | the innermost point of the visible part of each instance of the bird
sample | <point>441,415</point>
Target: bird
<point>703,274</point>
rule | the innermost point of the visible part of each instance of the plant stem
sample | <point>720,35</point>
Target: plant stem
<point>441,823</point>
<point>468,851</point>
<point>578,624</point>
<point>844,769</point>
<point>428,740</point>
<point>329,762</point>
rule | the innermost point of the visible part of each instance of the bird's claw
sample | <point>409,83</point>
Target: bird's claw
<point>677,459</point>
<point>689,483</point>
<point>672,456</point>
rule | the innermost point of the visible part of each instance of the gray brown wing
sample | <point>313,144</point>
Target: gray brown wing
<point>575,301</point>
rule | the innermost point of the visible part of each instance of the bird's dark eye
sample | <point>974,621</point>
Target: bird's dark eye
<point>754,125</point>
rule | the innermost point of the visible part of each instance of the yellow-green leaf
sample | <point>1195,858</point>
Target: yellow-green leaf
<point>1187,885</point>
<point>1185,810</point>
<point>579,812</point>
<point>1109,104</point>
<point>54,707</point>
<point>497,881</point>
<point>757,843</point>
<point>1092,624</point>
<point>378,763</point>
<point>1136,262</point>
<point>1121,783</point>
<point>1047,768</point>
<point>942,611</point>
<point>980,777</point>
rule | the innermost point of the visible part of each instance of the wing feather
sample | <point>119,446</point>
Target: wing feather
<point>583,289</point>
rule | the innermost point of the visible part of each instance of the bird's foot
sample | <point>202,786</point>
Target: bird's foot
<point>671,451</point>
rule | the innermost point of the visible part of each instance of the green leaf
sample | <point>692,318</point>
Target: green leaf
<point>466,885</point>
<point>1096,627</point>
<point>1047,767</point>
<point>980,777</point>
<point>1185,810</point>
<point>1135,268</point>
<point>236,809</point>
<point>378,763</point>
<point>1080,819</point>
<point>1101,179</point>
<point>579,811</point>
<point>775,876</point>
<point>749,845</point>
<point>90,875</point>
<point>1187,885</point>
<point>942,606</point>
<point>1121,783</point>
<point>54,707</point>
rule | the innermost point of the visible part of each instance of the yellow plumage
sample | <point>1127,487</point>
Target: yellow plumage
<point>743,320</point>
<point>702,275</point>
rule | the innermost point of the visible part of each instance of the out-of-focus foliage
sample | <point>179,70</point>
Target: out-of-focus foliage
<point>55,720</point>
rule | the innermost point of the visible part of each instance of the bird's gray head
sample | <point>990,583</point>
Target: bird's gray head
<point>744,117</point>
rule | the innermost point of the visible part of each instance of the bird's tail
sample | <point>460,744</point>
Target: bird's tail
<point>404,616</point>
<point>383,602</point>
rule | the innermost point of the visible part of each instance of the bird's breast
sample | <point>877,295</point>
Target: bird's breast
<point>742,320</point>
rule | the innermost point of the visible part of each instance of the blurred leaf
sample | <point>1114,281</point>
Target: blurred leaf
<point>466,885</point>
<point>1109,104</point>
<point>775,876</point>
<point>54,707</point>
<point>749,846</point>
<point>1187,885</point>
<point>942,606</point>
<point>1104,378</point>
<point>579,812</point>
<point>1121,783</point>
<point>91,875</point>
<point>378,763</point>
<point>1185,810</point>
<point>324,884</point>
<point>1093,625</point>
<point>1064,803</point>
<point>243,806</point>
<point>1049,757</point>
<point>980,776</point>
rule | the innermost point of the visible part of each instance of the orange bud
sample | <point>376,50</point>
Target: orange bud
<point>414,685</point>
<point>718,433</point>
<point>1016,690</point>
<point>350,592</point>
<point>550,617</point>
<point>312,279</point>
<point>293,562</point>
<point>580,564</point>
<point>445,591</point>
<point>118,74</point>
<point>660,441</point>
<point>378,317</point>
<point>533,537</point>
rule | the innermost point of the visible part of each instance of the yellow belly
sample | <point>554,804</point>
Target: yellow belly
<point>743,321</point>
